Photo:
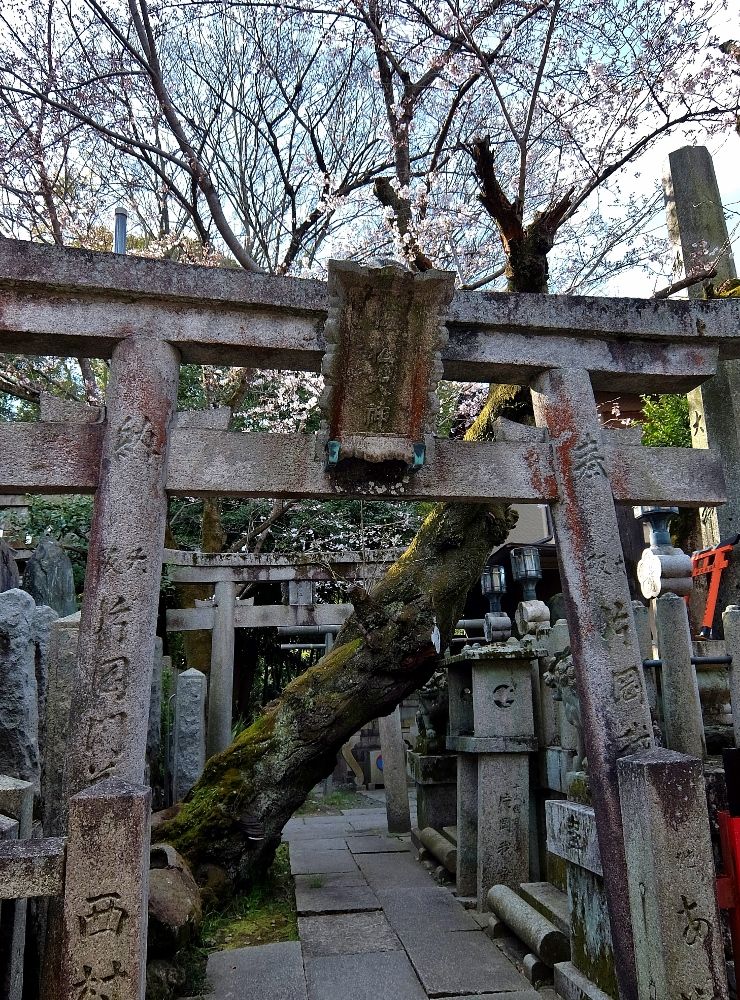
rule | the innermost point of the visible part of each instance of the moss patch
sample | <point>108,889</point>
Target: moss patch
<point>265,914</point>
<point>332,804</point>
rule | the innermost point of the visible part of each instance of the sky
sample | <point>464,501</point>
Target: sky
<point>725,150</point>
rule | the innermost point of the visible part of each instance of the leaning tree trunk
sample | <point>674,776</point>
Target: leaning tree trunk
<point>387,649</point>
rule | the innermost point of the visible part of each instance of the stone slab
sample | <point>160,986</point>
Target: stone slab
<point>337,893</point>
<point>381,976</point>
<point>265,972</point>
<point>347,934</point>
<point>548,900</point>
<point>305,859</point>
<point>392,871</point>
<point>454,963</point>
<point>322,844</point>
<point>571,834</point>
<point>377,845</point>
<point>414,911</point>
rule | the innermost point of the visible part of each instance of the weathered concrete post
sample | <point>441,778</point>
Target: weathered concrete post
<point>110,705</point>
<point>606,654</point>
<point>677,931</point>
<point>394,772</point>
<point>684,727</point>
<point>698,231</point>
<point>731,625</point>
<point>105,893</point>
<point>221,680</point>
<point>189,751</point>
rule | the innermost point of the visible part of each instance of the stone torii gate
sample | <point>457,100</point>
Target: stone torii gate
<point>226,571</point>
<point>147,317</point>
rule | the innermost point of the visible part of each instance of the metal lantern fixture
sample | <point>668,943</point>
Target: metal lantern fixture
<point>493,585</point>
<point>526,570</point>
<point>658,519</point>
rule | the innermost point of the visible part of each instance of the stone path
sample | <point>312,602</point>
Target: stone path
<point>373,926</point>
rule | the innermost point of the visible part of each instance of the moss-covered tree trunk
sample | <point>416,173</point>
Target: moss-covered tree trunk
<point>385,651</point>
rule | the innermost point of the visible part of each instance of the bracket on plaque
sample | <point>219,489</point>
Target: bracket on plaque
<point>384,336</point>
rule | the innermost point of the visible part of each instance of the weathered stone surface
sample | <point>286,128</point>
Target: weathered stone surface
<point>428,911</point>
<point>436,788</point>
<point>570,984</point>
<point>154,730</point>
<point>731,625</point>
<point>174,903</point>
<point>305,859</point>
<point>49,579</point>
<point>546,940</point>
<point>384,976</point>
<point>467,824</point>
<point>42,621</point>
<point>571,834</point>
<point>190,739</point>
<point>276,321</point>
<point>105,892</point>
<point>592,952</point>
<point>394,773</point>
<point>440,848</point>
<point>384,331</point>
<point>19,710</point>
<point>455,963</point>
<point>31,867</point>
<point>16,801</point>
<point>614,710</point>
<point>10,578</point>
<point>697,228</point>
<point>341,893</point>
<point>550,901</point>
<point>221,679</point>
<point>392,871</point>
<point>503,821</point>
<point>265,972</point>
<point>63,639</point>
<point>377,845</point>
<point>164,980</point>
<point>682,718</point>
<point>678,936</point>
<point>347,934</point>
<point>110,704</point>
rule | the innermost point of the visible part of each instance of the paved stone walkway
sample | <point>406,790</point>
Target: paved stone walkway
<point>373,925</point>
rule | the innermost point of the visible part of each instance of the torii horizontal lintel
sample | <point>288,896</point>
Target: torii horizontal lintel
<point>65,458</point>
<point>261,616</point>
<point>81,303</point>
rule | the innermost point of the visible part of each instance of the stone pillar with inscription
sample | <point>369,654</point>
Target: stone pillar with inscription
<point>496,749</point>
<point>698,231</point>
<point>110,705</point>
<point>614,709</point>
<point>676,925</point>
<point>105,893</point>
<point>394,773</point>
<point>189,744</point>
<point>221,679</point>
